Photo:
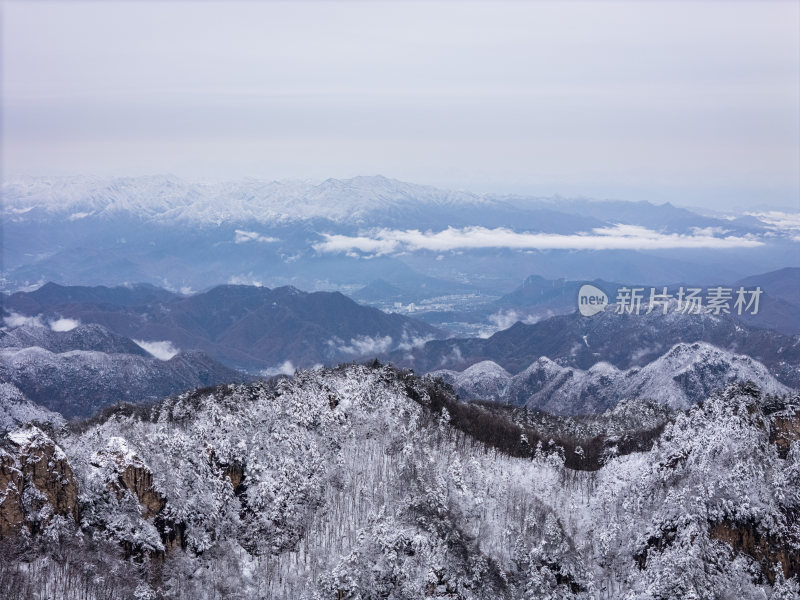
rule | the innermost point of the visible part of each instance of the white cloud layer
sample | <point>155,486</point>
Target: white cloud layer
<point>505,319</point>
<point>287,368</point>
<point>363,345</point>
<point>161,350</point>
<point>248,279</point>
<point>64,324</point>
<point>618,237</point>
<point>18,320</point>
<point>243,237</point>
<point>409,342</point>
<point>785,222</point>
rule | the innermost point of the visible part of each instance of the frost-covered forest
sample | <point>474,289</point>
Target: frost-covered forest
<point>367,482</point>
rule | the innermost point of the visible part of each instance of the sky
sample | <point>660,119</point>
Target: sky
<point>696,103</point>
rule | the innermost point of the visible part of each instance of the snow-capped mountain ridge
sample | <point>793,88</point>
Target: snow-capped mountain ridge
<point>167,198</point>
<point>682,376</point>
<point>90,337</point>
<point>623,340</point>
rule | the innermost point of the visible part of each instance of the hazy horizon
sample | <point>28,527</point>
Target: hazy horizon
<point>690,103</point>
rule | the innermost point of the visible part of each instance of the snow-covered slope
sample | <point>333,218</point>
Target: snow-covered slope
<point>484,380</point>
<point>90,337</point>
<point>82,370</point>
<point>78,383</point>
<point>16,410</point>
<point>356,483</point>
<point>684,375</point>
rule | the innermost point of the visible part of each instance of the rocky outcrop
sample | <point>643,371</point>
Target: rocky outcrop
<point>11,486</point>
<point>785,429</point>
<point>765,549</point>
<point>36,482</point>
<point>125,472</point>
<point>173,535</point>
<point>233,471</point>
<point>235,474</point>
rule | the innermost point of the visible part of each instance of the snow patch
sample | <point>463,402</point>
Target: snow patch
<point>33,437</point>
<point>120,448</point>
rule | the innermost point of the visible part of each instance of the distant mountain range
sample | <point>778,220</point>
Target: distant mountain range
<point>78,372</point>
<point>246,327</point>
<point>684,375</point>
<point>364,200</point>
<point>779,304</point>
<point>76,349</point>
<point>278,330</point>
<point>345,234</point>
<point>623,340</point>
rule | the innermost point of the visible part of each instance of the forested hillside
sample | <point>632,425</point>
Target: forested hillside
<point>365,482</point>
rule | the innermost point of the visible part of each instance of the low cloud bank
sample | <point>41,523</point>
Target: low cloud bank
<point>17,320</point>
<point>783,222</point>
<point>362,345</point>
<point>64,324</point>
<point>160,350</point>
<point>505,319</point>
<point>242,237</point>
<point>287,368</point>
<point>618,237</point>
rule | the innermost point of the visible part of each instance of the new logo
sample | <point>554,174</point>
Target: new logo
<point>591,300</point>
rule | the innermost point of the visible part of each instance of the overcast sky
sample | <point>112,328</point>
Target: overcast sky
<point>695,103</point>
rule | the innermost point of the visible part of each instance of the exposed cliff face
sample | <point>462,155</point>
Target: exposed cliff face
<point>125,472</point>
<point>235,474</point>
<point>36,482</point>
<point>11,486</point>
<point>785,429</point>
<point>769,551</point>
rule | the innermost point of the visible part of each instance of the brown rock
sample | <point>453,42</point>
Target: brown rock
<point>765,549</point>
<point>140,482</point>
<point>132,475</point>
<point>36,482</point>
<point>11,485</point>
<point>785,430</point>
<point>235,474</point>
